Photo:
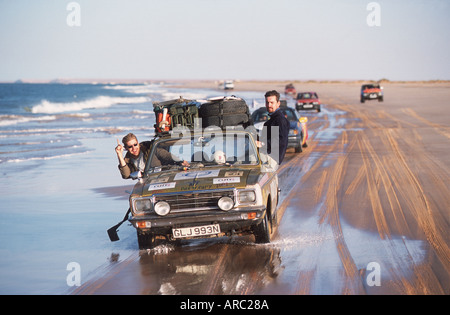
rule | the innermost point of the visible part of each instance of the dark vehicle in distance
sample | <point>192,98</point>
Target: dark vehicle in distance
<point>371,92</point>
<point>290,90</point>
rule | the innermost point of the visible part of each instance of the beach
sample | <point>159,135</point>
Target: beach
<point>372,187</point>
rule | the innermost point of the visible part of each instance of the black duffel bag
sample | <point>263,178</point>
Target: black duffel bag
<point>226,111</point>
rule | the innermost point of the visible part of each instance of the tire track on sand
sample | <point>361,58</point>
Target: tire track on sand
<point>418,203</point>
<point>329,213</point>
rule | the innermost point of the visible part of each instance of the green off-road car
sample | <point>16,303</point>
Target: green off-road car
<point>227,189</point>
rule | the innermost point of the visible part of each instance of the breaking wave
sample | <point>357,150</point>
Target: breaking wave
<point>8,120</point>
<point>46,107</point>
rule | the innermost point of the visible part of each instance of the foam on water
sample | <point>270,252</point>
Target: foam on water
<point>9,120</point>
<point>46,107</point>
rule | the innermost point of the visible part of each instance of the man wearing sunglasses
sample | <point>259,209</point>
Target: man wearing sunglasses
<point>136,157</point>
<point>138,154</point>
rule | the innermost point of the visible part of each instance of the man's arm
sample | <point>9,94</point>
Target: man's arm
<point>123,167</point>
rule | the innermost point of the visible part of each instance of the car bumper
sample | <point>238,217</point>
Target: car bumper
<point>371,96</point>
<point>307,107</point>
<point>234,220</point>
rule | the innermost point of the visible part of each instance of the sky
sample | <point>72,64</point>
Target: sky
<point>225,39</point>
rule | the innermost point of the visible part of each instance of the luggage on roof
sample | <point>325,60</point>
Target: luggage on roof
<point>176,113</point>
<point>225,111</point>
<point>219,111</point>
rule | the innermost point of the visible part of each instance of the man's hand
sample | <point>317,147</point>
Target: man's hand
<point>119,148</point>
<point>185,163</point>
<point>119,151</point>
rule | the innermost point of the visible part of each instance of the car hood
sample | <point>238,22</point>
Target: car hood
<point>197,179</point>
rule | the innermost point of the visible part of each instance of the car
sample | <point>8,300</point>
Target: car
<point>307,101</point>
<point>289,90</point>
<point>371,92</point>
<point>227,85</point>
<point>229,188</point>
<point>298,131</point>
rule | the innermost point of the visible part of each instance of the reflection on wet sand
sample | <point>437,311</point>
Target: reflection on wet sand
<point>200,267</point>
<point>214,268</point>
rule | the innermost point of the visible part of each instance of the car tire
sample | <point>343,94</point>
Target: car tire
<point>146,241</point>
<point>299,149</point>
<point>262,231</point>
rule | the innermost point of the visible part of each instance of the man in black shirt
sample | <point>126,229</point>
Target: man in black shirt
<point>276,128</point>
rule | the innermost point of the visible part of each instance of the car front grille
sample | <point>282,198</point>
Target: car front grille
<point>194,201</point>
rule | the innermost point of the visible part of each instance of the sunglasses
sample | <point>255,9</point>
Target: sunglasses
<point>133,145</point>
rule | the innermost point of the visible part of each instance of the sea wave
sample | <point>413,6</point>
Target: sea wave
<point>46,107</point>
<point>136,89</point>
<point>39,158</point>
<point>165,96</point>
<point>9,120</point>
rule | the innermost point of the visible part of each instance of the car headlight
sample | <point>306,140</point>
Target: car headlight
<point>225,203</point>
<point>141,205</point>
<point>162,208</point>
<point>248,196</point>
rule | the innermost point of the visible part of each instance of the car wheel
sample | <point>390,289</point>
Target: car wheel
<point>262,231</point>
<point>145,241</point>
<point>298,149</point>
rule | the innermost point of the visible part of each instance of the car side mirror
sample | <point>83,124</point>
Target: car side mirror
<point>136,175</point>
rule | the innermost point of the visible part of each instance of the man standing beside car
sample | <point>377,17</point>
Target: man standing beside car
<point>276,144</point>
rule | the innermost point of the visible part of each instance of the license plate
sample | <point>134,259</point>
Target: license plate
<point>373,96</point>
<point>196,231</point>
<point>307,106</point>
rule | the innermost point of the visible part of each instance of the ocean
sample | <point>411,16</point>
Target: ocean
<point>61,189</point>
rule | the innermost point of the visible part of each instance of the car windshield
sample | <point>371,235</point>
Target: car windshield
<point>263,115</point>
<point>307,95</point>
<point>204,150</point>
<point>290,114</point>
<point>370,86</point>
<point>260,115</point>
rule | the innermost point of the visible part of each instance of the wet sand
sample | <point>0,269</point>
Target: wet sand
<point>366,208</point>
